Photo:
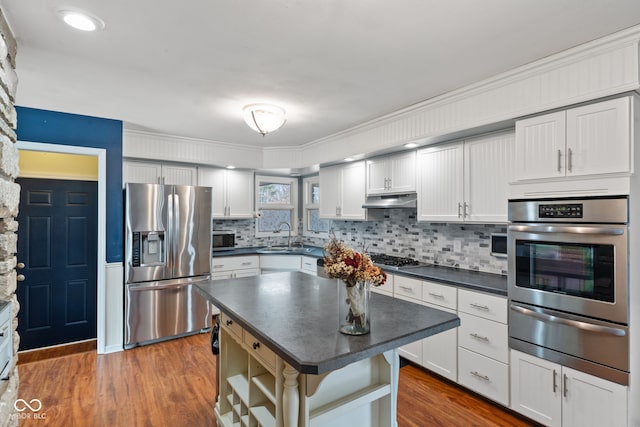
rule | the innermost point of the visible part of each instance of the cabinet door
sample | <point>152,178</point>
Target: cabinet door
<point>403,173</point>
<point>377,176</point>
<point>240,194</point>
<point>215,178</point>
<point>489,167</point>
<point>599,138</point>
<point>179,175</point>
<point>413,350</point>
<point>536,389</point>
<point>439,352</point>
<point>591,401</point>
<point>330,180</point>
<point>353,192</point>
<point>540,147</point>
<point>141,172</point>
<point>440,183</point>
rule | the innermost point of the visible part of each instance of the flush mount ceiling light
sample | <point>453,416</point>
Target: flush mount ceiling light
<point>264,118</point>
<point>81,20</point>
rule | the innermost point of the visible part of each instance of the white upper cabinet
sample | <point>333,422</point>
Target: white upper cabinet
<point>466,181</point>
<point>343,192</point>
<point>588,140</point>
<point>232,192</point>
<point>158,173</point>
<point>440,183</point>
<point>392,174</point>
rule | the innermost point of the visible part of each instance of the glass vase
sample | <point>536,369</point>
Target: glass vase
<point>353,307</point>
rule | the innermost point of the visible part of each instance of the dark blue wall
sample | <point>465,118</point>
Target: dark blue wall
<point>83,131</point>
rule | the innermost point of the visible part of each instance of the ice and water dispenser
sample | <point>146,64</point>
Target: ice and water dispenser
<point>148,248</point>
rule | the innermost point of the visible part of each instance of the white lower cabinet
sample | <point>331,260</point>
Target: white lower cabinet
<point>483,349</point>
<point>409,290</point>
<point>258,389</point>
<point>233,267</point>
<point>439,352</point>
<point>558,396</point>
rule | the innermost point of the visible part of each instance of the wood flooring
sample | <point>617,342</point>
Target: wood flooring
<point>173,384</point>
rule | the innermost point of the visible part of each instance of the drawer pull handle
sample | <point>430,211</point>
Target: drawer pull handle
<point>256,345</point>
<point>229,322</point>
<point>406,288</point>
<point>218,266</point>
<point>479,337</point>
<point>439,296</point>
<point>246,263</point>
<point>479,375</point>
<point>479,307</point>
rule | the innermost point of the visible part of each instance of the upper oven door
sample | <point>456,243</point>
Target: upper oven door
<point>578,269</point>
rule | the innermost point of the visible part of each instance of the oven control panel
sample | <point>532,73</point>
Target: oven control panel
<point>573,210</point>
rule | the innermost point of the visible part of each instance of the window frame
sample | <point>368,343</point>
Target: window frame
<point>293,206</point>
<point>307,205</point>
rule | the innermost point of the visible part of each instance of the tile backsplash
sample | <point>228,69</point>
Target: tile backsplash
<point>461,245</point>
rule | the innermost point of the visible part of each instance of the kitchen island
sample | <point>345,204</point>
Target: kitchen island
<point>282,361</point>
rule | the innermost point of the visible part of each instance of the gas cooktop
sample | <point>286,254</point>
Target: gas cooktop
<point>393,262</point>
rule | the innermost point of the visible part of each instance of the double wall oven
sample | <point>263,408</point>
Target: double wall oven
<point>568,283</point>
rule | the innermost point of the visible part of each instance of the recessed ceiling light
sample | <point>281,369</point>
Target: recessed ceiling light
<point>231,167</point>
<point>411,145</point>
<point>349,159</point>
<point>81,20</point>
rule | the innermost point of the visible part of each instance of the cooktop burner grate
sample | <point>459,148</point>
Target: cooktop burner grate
<point>393,261</point>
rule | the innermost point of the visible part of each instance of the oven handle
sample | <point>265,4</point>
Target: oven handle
<point>567,229</point>
<point>541,315</point>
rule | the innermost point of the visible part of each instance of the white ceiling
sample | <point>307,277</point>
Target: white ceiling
<point>187,68</point>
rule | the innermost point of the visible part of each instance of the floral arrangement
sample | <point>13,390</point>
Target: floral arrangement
<point>342,262</point>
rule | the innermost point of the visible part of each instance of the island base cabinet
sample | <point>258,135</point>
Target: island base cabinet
<point>555,395</point>
<point>258,389</point>
<point>361,394</point>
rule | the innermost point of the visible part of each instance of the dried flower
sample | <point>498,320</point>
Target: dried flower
<point>342,262</point>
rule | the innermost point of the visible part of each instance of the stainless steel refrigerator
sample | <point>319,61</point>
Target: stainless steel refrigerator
<point>167,250</point>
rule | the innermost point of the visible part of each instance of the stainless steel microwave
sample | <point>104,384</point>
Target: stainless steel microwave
<point>223,240</point>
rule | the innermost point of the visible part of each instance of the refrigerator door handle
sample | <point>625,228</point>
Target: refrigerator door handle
<point>170,231</point>
<point>143,288</point>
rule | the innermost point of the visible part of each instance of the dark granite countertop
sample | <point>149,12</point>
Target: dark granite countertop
<point>295,315</point>
<point>470,279</point>
<point>474,280</point>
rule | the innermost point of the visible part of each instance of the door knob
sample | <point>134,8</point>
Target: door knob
<point>20,265</point>
<point>20,278</point>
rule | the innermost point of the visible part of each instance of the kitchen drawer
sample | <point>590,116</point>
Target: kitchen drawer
<point>483,375</point>
<point>281,262</point>
<point>234,263</point>
<point>232,326</point>
<point>484,336</point>
<point>490,307</point>
<point>386,288</point>
<point>260,352</point>
<point>442,295</point>
<point>310,265</point>
<point>407,287</point>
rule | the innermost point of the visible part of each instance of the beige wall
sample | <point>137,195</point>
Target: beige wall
<point>37,164</point>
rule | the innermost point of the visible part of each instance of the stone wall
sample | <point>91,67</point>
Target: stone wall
<point>9,199</point>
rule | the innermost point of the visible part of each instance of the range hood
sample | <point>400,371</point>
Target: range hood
<point>405,201</point>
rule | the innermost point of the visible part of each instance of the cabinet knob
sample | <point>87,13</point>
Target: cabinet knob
<point>256,345</point>
<point>229,322</point>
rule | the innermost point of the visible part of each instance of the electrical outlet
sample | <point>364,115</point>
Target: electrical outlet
<point>457,246</point>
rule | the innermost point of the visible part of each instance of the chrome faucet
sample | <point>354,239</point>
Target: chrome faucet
<point>289,227</point>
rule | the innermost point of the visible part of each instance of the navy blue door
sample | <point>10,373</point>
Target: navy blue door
<point>57,242</point>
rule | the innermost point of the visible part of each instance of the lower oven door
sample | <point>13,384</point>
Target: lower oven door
<point>596,347</point>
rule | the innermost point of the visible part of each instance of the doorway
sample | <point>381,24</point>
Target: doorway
<point>57,243</point>
<point>100,154</point>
